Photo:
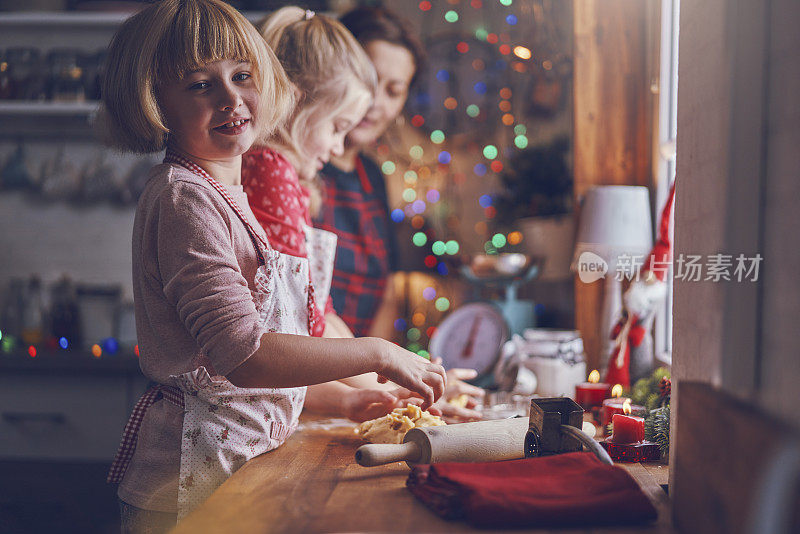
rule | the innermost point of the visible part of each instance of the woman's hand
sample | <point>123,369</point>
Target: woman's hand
<point>412,371</point>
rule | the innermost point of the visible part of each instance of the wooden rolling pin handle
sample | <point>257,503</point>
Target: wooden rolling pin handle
<point>385,453</point>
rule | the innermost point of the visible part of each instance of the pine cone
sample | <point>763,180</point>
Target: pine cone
<point>665,387</point>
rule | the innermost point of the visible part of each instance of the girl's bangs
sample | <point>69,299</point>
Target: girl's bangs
<point>199,36</point>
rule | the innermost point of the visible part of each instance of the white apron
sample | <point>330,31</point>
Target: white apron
<point>224,425</point>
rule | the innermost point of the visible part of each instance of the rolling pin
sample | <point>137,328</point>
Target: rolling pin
<point>482,441</point>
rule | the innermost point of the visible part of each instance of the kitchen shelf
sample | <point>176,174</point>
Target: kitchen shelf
<point>52,361</point>
<point>47,109</point>
<point>47,120</point>
<point>80,19</point>
<point>63,18</point>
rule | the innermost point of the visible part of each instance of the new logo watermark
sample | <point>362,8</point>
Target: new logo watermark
<point>591,267</point>
<point>688,267</point>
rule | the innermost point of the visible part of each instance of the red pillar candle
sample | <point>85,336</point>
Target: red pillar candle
<point>627,428</point>
<point>615,406</point>
<point>592,393</point>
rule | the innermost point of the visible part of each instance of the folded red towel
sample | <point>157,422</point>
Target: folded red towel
<point>574,489</point>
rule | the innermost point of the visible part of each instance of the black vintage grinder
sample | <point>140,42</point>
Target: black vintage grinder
<point>554,427</point>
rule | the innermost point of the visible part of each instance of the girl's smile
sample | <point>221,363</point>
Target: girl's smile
<point>211,111</point>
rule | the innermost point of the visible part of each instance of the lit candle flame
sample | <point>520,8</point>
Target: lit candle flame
<point>626,407</point>
<point>616,391</point>
<point>594,377</point>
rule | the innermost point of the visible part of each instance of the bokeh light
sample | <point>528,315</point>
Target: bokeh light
<point>409,195</point>
<point>479,169</point>
<point>388,167</point>
<point>419,239</point>
<point>442,304</point>
<point>398,215</point>
<point>433,196</point>
<point>413,334</point>
<point>450,103</point>
<point>498,240</point>
<point>515,237</point>
<point>429,293</point>
<point>418,319</point>
<point>485,201</point>
<point>490,151</point>
<point>410,177</point>
<point>451,16</point>
<point>522,52</point>
<point>416,151</point>
<point>521,141</point>
<point>452,247</point>
<point>473,110</point>
<point>437,136</point>
<point>400,324</point>
<point>438,248</point>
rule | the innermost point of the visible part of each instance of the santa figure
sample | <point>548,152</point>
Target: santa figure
<point>632,355</point>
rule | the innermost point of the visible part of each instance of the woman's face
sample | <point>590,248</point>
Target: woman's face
<point>395,67</point>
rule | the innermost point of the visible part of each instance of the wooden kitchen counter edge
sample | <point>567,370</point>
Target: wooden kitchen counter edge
<point>312,484</point>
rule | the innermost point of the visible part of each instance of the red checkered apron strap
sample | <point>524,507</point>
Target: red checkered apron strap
<point>131,433</point>
<point>172,156</point>
<point>258,241</point>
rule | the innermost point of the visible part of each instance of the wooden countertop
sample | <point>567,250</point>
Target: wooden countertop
<point>312,484</point>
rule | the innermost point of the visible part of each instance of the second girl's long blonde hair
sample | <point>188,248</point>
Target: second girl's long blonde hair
<point>323,60</point>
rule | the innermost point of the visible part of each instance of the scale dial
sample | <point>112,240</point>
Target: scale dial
<point>470,337</point>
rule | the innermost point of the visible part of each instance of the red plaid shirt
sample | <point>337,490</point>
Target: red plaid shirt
<point>355,209</point>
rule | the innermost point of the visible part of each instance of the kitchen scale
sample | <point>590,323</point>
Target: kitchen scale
<point>473,335</point>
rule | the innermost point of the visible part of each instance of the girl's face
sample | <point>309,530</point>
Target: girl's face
<point>395,67</point>
<point>326,137</point>
<point>212,112</point>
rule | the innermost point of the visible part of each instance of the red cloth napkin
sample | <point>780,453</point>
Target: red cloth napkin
<point>564,490</point>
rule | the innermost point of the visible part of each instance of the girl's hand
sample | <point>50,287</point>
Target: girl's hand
<point>412,371</point>
<point>365,404</point>
<point>456,414</point>
<point>457,387</point>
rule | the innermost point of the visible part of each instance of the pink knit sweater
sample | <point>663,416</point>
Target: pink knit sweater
<point>193,269</point>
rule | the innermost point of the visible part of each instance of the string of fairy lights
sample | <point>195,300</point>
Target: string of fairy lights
<point>426,206</point>
<point>419,166</point>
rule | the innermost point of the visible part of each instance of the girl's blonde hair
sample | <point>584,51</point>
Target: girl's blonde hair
<point>163,43</point>
<point>322,60</point>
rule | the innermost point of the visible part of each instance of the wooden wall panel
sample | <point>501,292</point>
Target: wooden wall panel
<point>613,117</point>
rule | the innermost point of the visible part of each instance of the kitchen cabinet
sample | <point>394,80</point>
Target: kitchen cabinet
<point>65,407</point>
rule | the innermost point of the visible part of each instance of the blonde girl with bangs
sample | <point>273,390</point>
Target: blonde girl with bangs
<point>222,318</point>
<point>333,81</point>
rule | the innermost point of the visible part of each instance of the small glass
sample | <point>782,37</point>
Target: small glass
<point>66,76</point>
